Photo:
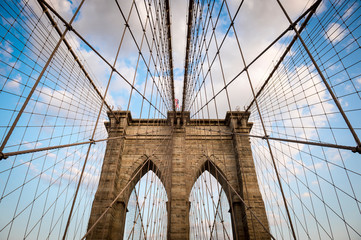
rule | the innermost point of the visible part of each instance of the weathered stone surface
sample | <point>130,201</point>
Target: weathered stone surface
<point>182,149</point>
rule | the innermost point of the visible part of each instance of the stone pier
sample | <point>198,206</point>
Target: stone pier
<point>221,147</point>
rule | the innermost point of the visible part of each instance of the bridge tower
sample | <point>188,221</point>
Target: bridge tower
<point>223,150</point>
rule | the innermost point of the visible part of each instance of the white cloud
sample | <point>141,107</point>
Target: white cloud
<point>14,84</point>
<point>178,11</point>
<point>318,165</point>
<point>305,195</point>
<point>90,176</point>
<point>349,11</point>
<point>275,219</point>
<point>335,32</point>
<point>343,102</point>
<point>31,166</point>
<point>6,57</point>
<point>335,156</point>
<point>359,82</point>
<point>7,47</point>
<point>32,145</point>
<point>70,172</point>
<point>315,182</point>
<point>63,7</point>
<point>52,155</point>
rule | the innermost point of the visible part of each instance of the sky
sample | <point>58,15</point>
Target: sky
<point>287,113</point>
<point>259,23</point>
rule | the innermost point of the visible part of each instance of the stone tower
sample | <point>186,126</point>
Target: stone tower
<point>229,154</point>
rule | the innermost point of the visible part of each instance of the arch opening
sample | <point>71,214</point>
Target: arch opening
<point>209,215</point>
<point>146,216</point>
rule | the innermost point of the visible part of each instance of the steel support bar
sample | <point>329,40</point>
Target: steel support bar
<point>9,154</point>
<point>189,32</point>
<point>320,144</point>
<point>99,55</point>
<point>15,153</point>
<point>255,59</point>
<point>354,134</point>
<point>54,24</point>
<point>303,26</point>
<point>170,55</point>
<point>353,149</point>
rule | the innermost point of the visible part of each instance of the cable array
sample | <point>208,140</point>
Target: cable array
<point>213,219</point>
<point>60,85</point>
<point>305,109</point>
<point>54,104</point>
<point>320,181</point>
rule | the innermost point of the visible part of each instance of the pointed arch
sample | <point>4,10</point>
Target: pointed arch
<point>216,172</point>
<point>142,169</point>
<point>147,201</point>
<point>210,204</point>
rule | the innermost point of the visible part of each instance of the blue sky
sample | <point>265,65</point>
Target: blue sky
<point>63,109</point>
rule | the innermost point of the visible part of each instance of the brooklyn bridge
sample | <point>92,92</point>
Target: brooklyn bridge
<point>167,119</point>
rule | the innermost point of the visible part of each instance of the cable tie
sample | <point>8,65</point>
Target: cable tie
<point>357,149</point>
<point>3,156</point>
<point>291,27</point>
<point>69,27</point>
<point>92,141</point>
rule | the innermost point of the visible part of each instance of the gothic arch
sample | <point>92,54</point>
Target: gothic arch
<point>143,168</point>
<point>220,209</point>
<point>216,172</point>
<point>146,193</point>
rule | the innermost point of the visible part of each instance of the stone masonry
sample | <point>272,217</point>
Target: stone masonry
<point>190,147</point>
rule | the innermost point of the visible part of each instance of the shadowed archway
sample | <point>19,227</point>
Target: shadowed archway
<point>212,208</point>
<point>146,215</point>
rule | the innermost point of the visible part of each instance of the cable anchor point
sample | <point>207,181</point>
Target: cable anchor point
<point>3,156</point>
<point>69,27</point>
<point>357,149</point>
